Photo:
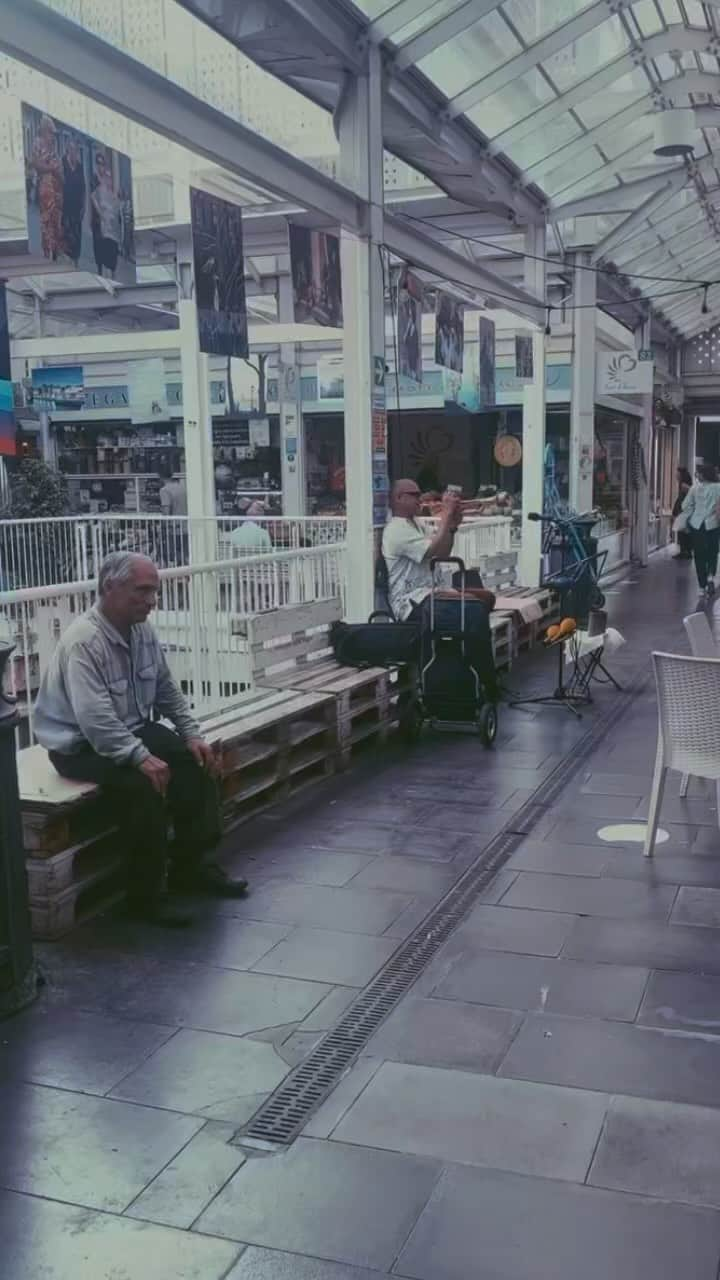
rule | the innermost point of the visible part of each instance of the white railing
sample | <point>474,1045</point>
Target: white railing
<point>200,619</point>
<point>479,537</point>
<point>42,552</point>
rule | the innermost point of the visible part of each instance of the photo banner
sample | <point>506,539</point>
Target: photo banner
<point>410,293</point>
<point>8,446</point>
<point>5,373</point>
<point>58,387</point>
<point>486,363</point>
<point>147,391</point>
<point>219,275</point>
<point>524,368</point>
<point>449,332</point>
<point>317,283</point>
<point>79,199</point>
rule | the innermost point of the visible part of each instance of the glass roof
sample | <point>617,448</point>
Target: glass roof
<point>569,92</point>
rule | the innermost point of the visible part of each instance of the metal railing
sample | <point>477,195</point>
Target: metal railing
<point>45,551</point>
<point>200,619</point>
<point>42,552</point>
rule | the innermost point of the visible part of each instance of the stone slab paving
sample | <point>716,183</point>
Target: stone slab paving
<point>543,1103</point>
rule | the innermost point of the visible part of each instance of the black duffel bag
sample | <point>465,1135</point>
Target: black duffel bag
<point>377,643</point>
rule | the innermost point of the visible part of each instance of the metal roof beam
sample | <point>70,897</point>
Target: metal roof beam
<point>635,220</point>
<point>397,16</point>
<point>427,254</point>
<point>619,199</point>
<point>677,37</point>
<point>40,37</point>
<point>440,32</point>
<point>688,82</point>
<point>578,146</point>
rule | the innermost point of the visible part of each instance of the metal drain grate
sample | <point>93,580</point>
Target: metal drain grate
<point>286,1112</point>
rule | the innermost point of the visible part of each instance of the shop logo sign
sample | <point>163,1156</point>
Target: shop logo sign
<point>624,373</point>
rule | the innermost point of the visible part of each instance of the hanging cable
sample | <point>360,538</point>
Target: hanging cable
<point>513,298</point>
<point>553,262</point>
<point>705,308</point>
<point>548,330</point>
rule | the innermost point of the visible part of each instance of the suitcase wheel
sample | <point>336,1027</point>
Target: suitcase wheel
<point>487,723</point>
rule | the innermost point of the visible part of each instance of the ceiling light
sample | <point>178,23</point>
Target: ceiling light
<point>674,132</point>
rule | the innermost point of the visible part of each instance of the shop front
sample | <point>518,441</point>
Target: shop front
<point>618,468</point>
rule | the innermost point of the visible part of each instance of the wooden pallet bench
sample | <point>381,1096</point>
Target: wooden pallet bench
<point>500,574</point>
<point>271,746</point>
<point>289,648</point>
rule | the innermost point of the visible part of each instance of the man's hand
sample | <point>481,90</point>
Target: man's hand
<point>203,754</point>
<point>157,772</point>
<point>452,511</point>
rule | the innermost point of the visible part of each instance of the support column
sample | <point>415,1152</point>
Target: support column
<point>359,124</point>
<point>18,975</point>
<point>533,441</point>
<point>197,422</point>
<point>292,435</point>
<point>640,534</point>
<point>582,409</point>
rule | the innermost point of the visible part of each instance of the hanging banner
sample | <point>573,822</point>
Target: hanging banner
<point>217,237</point>
<point>524,370</point>
<point>7,405</point>
<point>8,447</point>
<point>5,372</point>
<point>79,199</point>
<point>409,320</point>
<point>623,373</point>
<point>147,391</point>
<point>58,387</point>
<point>449,332</point>
<point>486,363</point>
<point>317,285</point>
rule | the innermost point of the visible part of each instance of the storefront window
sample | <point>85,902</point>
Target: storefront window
<point>325,464</point>
<point>610,469</point>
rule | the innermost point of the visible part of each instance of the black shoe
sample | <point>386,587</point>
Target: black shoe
<point>159,913</point>
<point>207,877</point>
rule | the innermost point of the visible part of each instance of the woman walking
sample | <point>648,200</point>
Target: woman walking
<point>702,508</point>
<point>684,540</point>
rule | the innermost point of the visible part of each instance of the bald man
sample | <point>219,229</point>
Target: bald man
<point>107,678</point>
<point>408,552</point>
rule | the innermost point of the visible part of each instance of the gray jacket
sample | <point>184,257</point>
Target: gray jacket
<point>98,689</point>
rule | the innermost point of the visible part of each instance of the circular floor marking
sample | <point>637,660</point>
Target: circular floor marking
<point>633,832</point>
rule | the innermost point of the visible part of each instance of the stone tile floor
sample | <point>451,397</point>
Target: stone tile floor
<point>545,1101</point>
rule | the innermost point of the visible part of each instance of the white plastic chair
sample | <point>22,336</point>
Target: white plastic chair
<point>702,645</point>
<point>688,692</point>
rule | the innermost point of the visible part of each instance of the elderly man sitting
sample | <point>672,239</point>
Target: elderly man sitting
<point>94,713</point>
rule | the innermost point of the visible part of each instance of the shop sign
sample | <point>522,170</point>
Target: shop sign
<point>623,373</point>
<point>58,387</point>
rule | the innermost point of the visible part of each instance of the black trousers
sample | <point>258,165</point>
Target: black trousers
<point>705,552</point>
<point>142,813</point>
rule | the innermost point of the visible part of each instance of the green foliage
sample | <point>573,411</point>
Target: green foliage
<point>37,490</point>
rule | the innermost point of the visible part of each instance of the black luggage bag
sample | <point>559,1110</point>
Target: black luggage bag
<point>380,642</point>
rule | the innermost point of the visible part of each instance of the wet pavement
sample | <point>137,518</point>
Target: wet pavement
<point>542,1103</point>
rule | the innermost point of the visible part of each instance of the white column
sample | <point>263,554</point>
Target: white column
<point>533,442</point>
<point>639,535</point>
<point>361,168</point>
<point>197,423</point>
<point>582,409</point>
<point>292,436</point>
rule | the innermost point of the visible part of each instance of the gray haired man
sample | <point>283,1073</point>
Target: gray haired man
<point>107,677</point>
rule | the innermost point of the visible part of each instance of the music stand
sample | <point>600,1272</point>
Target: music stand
<point>568,581</point>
